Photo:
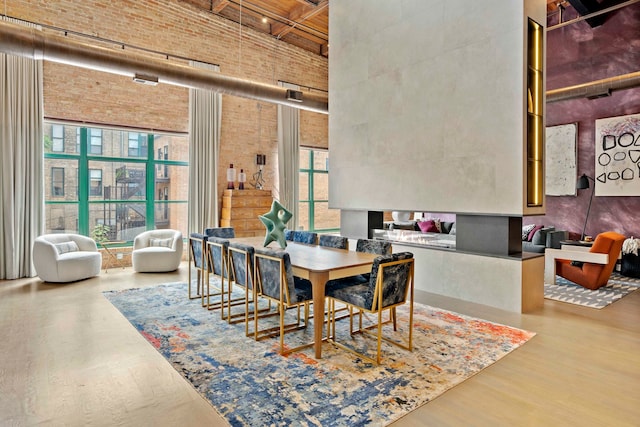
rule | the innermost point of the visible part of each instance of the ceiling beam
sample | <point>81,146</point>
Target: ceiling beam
<point>218,5</point>
<point>298,14</point>
<point>587,7</point>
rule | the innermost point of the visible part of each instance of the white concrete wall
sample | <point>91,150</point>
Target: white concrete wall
<point>427,104</point>
<point>492,281</point>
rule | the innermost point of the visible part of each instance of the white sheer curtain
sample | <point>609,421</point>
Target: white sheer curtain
<point>205,108</point>
<point>289,157</point>
<point>21,177</point>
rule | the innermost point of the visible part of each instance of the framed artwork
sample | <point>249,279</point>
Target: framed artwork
<point>560,160</point>
<point>617,171</point>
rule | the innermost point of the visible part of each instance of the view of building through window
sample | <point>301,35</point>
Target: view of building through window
<point>110,177</point>
<point>313,196</point>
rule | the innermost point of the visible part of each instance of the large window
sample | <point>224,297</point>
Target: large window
<point>113,179</point>
<point>313,197</point>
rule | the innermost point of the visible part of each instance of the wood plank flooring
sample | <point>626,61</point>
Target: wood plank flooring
<point>68,357</point>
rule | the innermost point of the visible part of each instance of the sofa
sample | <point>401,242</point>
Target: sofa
<point>425,226</point>
<point>539,238</point>
<point>66,257</point>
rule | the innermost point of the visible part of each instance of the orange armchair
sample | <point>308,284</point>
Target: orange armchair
<point>594,266</point>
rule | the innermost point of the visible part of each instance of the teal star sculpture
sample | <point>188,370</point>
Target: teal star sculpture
<point>275,221</point>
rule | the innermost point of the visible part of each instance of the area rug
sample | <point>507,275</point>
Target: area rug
<point>250,384</point>
<point>566,291</point>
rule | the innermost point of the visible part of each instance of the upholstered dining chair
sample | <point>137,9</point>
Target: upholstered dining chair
<point>241,259</point>
<point>390,283</point>
<point>333,241</point>
<point>222,232</point>
<point>218,265</point>
<point>274,278</point>
<point>197,262</point>
<point>198,255</point>
<point>587,267</point>
<point>372,246</point>
<point>301,236</point>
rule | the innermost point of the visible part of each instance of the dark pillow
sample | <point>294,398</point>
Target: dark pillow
<point>446,226</point>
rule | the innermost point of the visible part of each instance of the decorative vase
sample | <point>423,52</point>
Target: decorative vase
<point>231,177</point>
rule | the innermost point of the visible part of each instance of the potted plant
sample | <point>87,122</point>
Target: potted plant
<point>100,233</point>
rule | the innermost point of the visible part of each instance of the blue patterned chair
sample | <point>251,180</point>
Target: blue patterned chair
<point>332,241</point>
<point>370,246</point>
<point>301,236</point>
<point>198,255</point>
<point>390,283</point>
<point>222,232</point>
<point>218,266</point>
<point>274,278</point>
<point>241,270</point>
<point>377,247</point>
<point>197,261</point>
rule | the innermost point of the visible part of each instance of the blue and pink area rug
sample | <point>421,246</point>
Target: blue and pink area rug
<point>250,384</point>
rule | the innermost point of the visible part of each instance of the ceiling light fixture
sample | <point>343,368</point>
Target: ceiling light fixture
<point>145,79</point>
<point>294,95</point>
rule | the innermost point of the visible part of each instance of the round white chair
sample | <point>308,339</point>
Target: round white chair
<point>157,251</point>
<point>66,257</point>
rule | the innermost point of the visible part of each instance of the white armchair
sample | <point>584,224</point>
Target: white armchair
<point>157,251</point>
<point>61,258</point>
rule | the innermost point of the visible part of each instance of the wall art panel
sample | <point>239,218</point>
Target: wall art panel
<point>617,169</point>
<point>560,160</point>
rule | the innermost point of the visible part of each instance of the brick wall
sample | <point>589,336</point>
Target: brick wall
<point>176,28</point>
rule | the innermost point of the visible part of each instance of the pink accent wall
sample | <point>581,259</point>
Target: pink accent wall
<point>581,54</point>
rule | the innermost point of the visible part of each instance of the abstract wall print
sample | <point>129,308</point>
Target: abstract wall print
<point>560,160</point>
<point>617,171</point>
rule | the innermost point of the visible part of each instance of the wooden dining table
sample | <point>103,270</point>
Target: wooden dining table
<point>319,264</point>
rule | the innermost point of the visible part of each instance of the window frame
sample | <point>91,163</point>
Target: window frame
<point>54,181</point>
<point>85,199</point>
<point>310,171</point>
<point>57,138</point>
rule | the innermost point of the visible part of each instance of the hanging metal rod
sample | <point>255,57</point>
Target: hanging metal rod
<point>595,89</point>
<point>35,44</point>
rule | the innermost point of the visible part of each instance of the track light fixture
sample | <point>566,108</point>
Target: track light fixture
<point>145,79</point>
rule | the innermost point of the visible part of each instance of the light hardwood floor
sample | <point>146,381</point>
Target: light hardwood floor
<point>68,357</point>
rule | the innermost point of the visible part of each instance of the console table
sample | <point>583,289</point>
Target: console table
<point>576,243</point>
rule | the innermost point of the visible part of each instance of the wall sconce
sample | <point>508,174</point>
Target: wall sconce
<point>145,79</point>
